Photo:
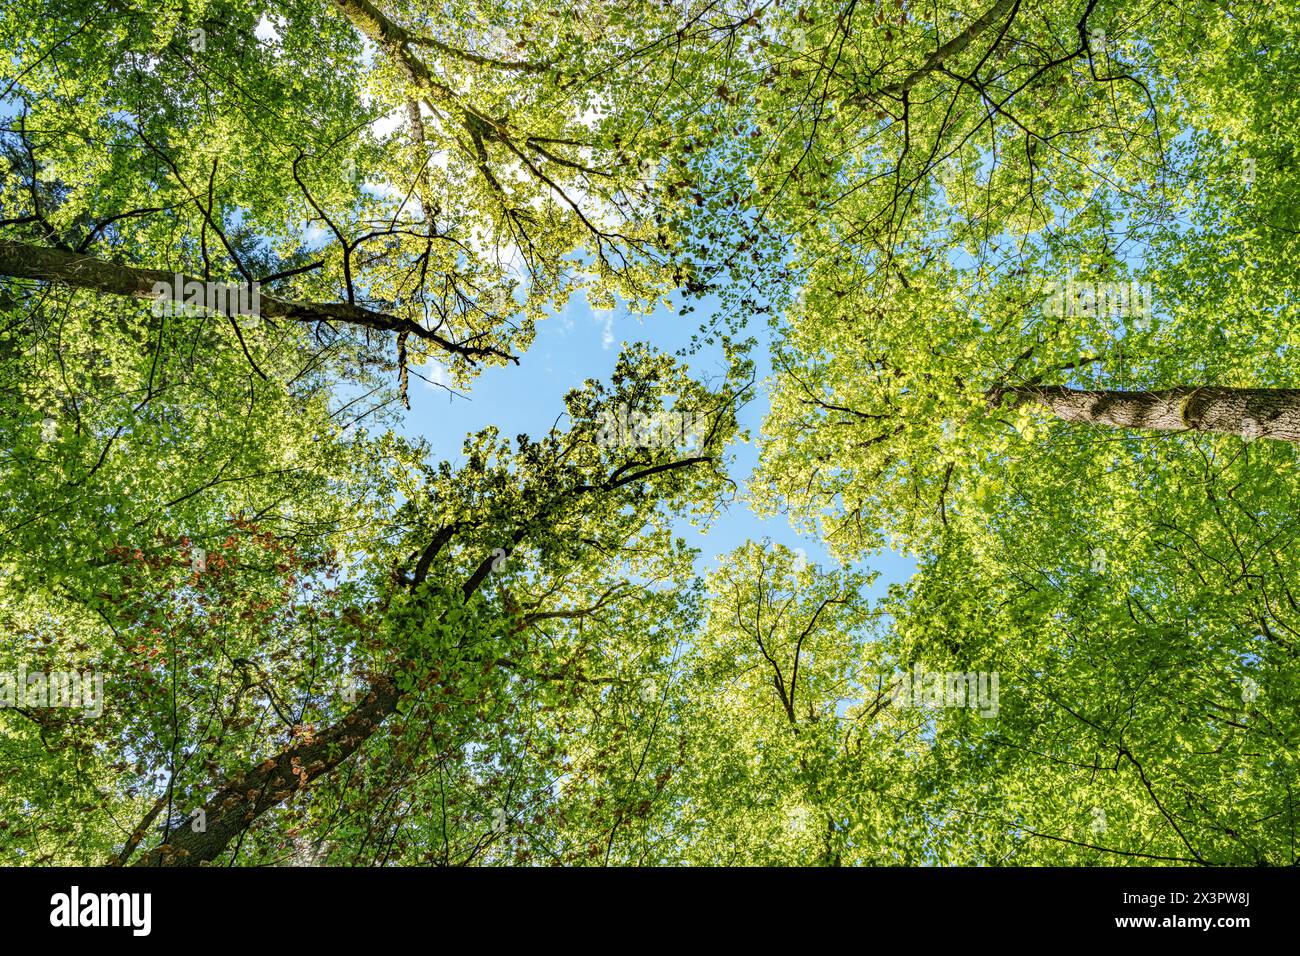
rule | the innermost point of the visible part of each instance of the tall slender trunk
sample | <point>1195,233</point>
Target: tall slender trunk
<point>1248,413</point>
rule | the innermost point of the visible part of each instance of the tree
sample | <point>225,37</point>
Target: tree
<point>1035,223</point>
<point>554,522</point>
<point>791,752</point>
<point>211,144</point>
<point>1075,273</point>
<point>1027,271</point>
<point>1134,598</point>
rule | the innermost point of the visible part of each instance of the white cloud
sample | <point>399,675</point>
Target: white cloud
<point>435,375</point>
<point>269,30</point>
<point>316,236</point>
<point>607,334</point>
<point>386,124</point>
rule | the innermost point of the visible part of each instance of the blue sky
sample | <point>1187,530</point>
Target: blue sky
<point>578,344</point>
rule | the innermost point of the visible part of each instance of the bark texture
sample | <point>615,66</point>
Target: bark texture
<point>243,799</point>
<point>78,270</point>
<point>1249,413</point>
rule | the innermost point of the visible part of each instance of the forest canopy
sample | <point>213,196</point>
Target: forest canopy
<point>1013,284</point>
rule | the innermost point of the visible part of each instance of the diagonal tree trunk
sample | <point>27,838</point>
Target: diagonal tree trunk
<point>395,41</point>
<point>943,54</point>
<point>78,270</point>
<point>244,799</point>
<point>1249,413</point>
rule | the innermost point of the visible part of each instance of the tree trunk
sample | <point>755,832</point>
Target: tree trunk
<point>46,263</point>
<point>1248,413</point>
<point>244,799</point>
